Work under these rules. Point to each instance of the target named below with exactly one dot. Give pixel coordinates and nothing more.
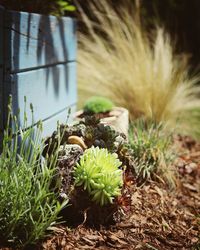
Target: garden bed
(141, 194)
(159, 219)
(113, 184)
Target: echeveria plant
(98, 172)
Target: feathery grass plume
(120, 60)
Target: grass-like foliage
(97, 104)
(99, 174)
(152, 151)
(29, 205)
(136, 70)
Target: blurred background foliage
(180, 18)
(130, 58)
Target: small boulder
(68, 156)
(73, 139)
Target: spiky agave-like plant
(143, 75)
(99, 174)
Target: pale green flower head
(98, 172)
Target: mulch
(160, 219)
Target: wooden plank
(50, 90)
(50, 125)
(35, 40)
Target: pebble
(77, 140)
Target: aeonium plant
(99, 174)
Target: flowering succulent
(98, 172)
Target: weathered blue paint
(49, 125)
(39, 40)
(37, 60)
(50, 90)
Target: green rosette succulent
(98, 172)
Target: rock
(69, 154)
(67, 158)
(119, 140)
(77, 129)
(77, 140)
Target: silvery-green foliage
(98, 172)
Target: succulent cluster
(98, 169)
(97, 104)
(99, 174)
(63, 132)
(102, 136)
(93, 133)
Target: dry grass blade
(120, 61)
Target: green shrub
(29, 205)
(151, 150)
(98, 172)
(97, 104)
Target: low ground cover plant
(29, 204)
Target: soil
(160, 219)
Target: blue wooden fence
(37, 60)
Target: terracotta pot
(118, 118)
